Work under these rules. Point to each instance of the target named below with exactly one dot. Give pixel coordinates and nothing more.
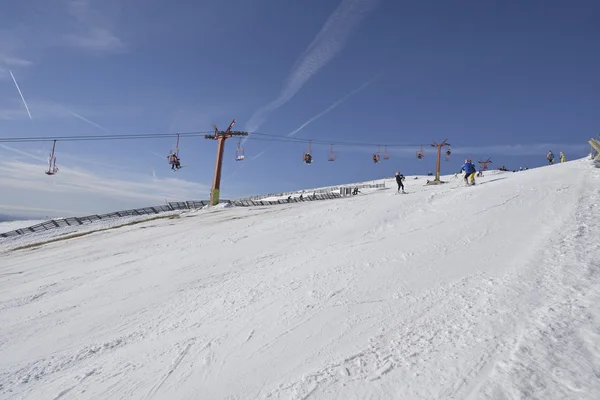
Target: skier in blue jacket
(470, 171)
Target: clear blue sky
(508, 80)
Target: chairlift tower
(484, 164)
(221, 137)
(439, 147)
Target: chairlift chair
(386, 154)
(448, 152)
(52, 168)
(174, 152)
(239, 152)
(376, 156)
(420, 153)
(331, 154)
(173, 156)
(307, 156)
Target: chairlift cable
(258, 136)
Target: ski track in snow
(483, 292)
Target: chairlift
(307, 156)
(386, 154)
(331, 154)
(420, 153)
(239, 152)
(173, 156)
(376, 156)
(52, 168)
(448, 152)
(175, 150)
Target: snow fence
(171, 206)
(343, 190)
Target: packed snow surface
(447, 292)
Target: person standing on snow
(470, 171)
(562, 157)
(550, 157)
(399, 179)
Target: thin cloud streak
(259, 154)
(21, 94)
(324, 112)
(157, 155)
(473, 151)
(92, 34)
(334, 105)
(328, 43)
(24, 209)
(521, 149)
(6, 62)
(83, 191)
(87, 120)
(23, 153)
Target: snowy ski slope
(448, 292)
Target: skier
(562, 157)
(174, 161)
(470, 171)
(399, 179)
(550, 157)
(307, 158)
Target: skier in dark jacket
(399, 179)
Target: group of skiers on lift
(174, 161)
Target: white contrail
(87, 120)
(21, 94)
(162, 157)
(24, 153)
(322, 113)
(332, 106)
(229, 176)
(326, 45)
(258, 155)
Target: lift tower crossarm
(484, 164)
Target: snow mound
(450, 292)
